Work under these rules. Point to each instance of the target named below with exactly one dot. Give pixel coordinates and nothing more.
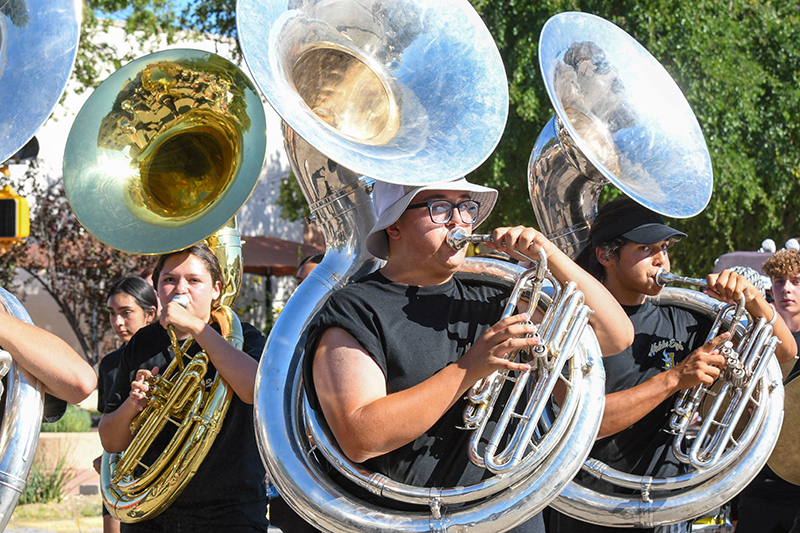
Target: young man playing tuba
(391, 355)
(629, 244)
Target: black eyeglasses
(441, 211)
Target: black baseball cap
(629, 219)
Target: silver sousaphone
(38, 45)
(409, 92)
(22, 404)
(621, 119)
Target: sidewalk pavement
(82, 448)
(92, 524)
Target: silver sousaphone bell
(408, 92)
(621, 119)
(38, 45)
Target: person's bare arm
(625, 408)
(235, 366)
(611, 325)
(64, 373)
(368, 422)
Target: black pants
(766, 515)
(282, 516)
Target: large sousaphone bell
(621, 119)
(163, 155)
(165, 151)
(408, 92)
(38, 45)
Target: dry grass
(73, 506)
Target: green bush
(46, 484)
(75, 420)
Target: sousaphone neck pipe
(663, 277)
(457, 238)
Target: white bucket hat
(390, 202)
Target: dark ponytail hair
(138, 289)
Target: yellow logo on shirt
(665, 350)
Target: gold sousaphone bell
(163, 155)
(165, 152)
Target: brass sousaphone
(409, 92)
(621, 119)
(164, 154)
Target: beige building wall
(43, 310)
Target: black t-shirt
(228, 492)
(412, 333)
(664, 336)
(106, 373)
(54, 408)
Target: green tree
(145, 21)
(736, 63)
(149, 24)
(71, 265)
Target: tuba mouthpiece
(458, 238)
(182, 300)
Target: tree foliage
(736, 63)
(144, 21)
(71, 265)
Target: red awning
(272, 256)
(262, 255)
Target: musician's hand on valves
(488, 352)
(729, 287)
(140, 388)
(519, 242)
(703, 365)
